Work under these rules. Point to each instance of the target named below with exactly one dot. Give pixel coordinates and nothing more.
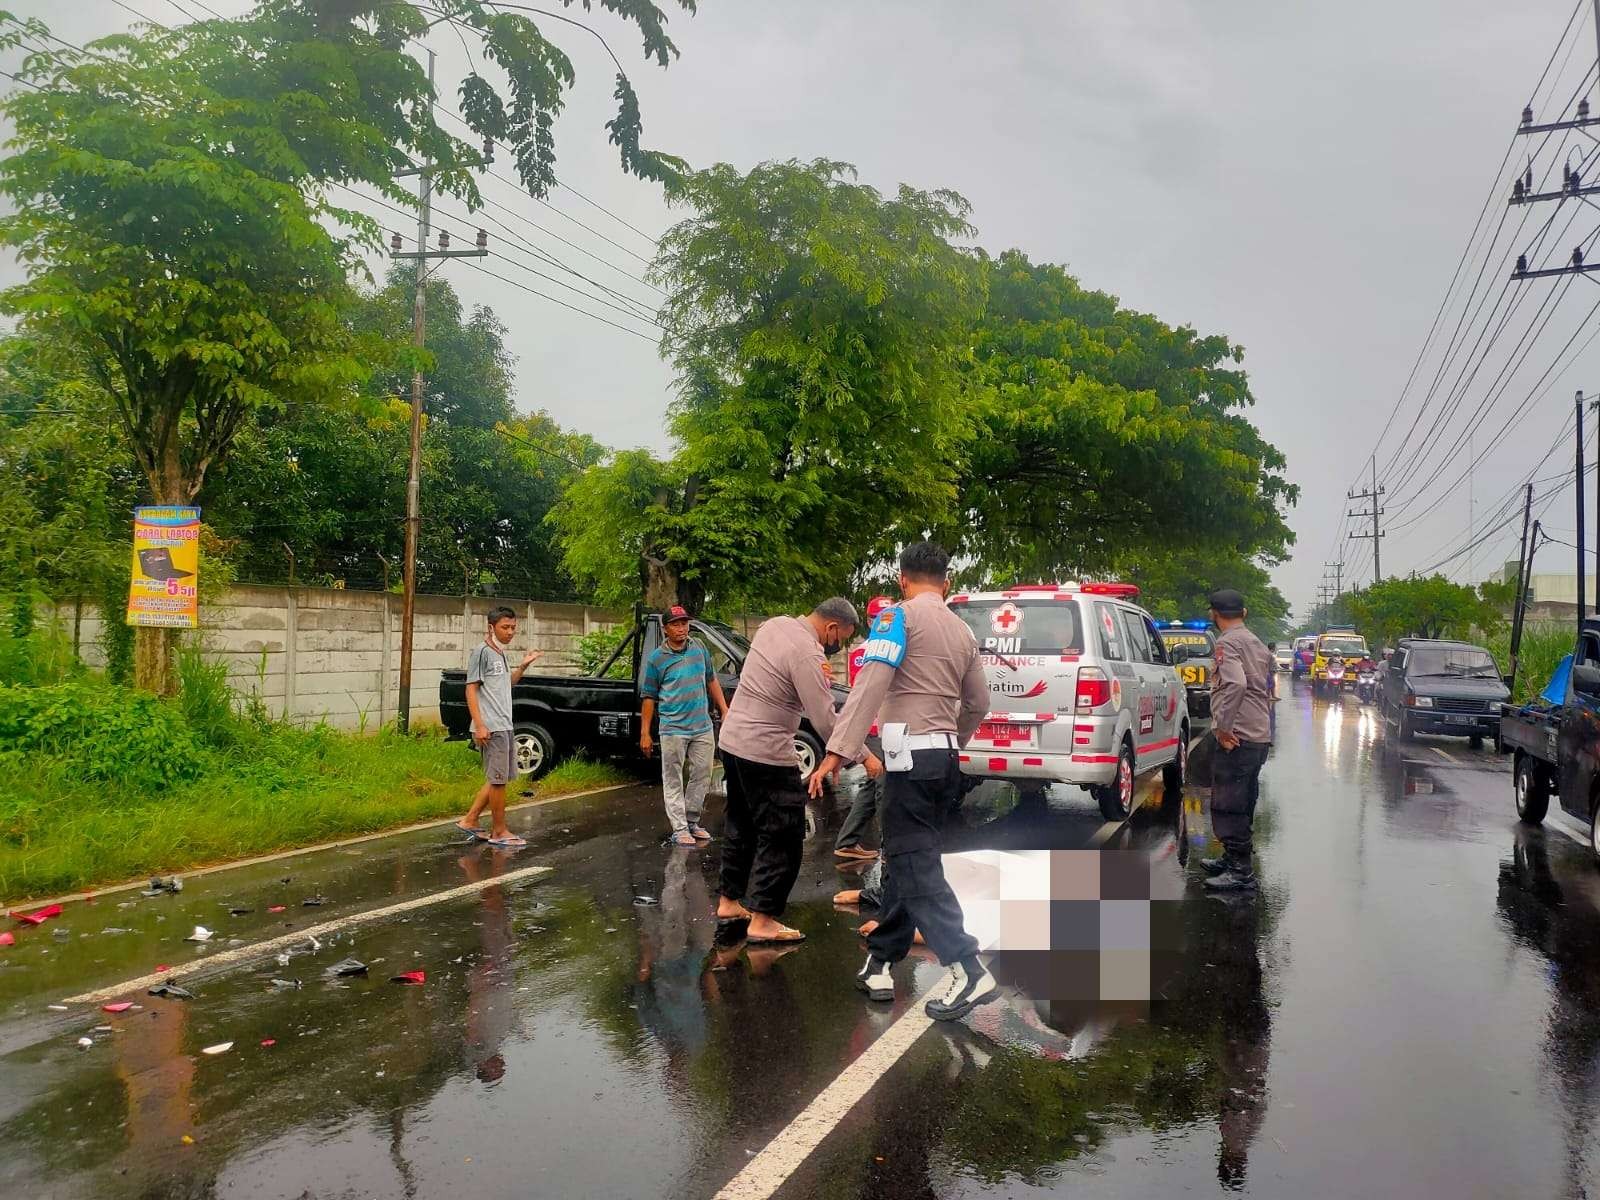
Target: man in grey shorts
(489, 679)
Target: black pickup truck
(1557, 746)
(556, 715)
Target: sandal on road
(510, 842)
(472, 831)
(782, 937)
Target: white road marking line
(212, 963)
(782, 1156)
(278, 856)
(1106, 832)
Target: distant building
(1551, 596)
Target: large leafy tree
(1104, 437)
(323, 485)
(174, 209)
(818, 331)
(1430, 606)
(1176, 581)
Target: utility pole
(1338, 576)
(1372, 494)
(1523, 570)
(408, 603)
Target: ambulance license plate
(1005, 731)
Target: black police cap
(1226, 602)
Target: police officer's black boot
(1215, 866)
(1238, 876)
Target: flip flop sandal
(777, 939)
(508, 843)
(471, 831)
(855, 852)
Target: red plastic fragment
(269, 1041)
(277, 908)
(120, 1006)
(160, 967)
(40, 916)
(414, 977)
(8, 938)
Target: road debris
(200, 934)
(219, 1048)
(8, 938)
(121, 1006)
(286, 983)
(239, 912)
(159, 885)
(171, 991)
(412, 977)
(39, 916)
(346, 967)
(316, 901)
(269, 1041)
(276, 908)
(85, 1042)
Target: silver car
(1081, 689)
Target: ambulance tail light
(1129, 590)
(1094, 688)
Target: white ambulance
(1081, 689)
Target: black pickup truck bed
(555, 715)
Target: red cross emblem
(1005, 618)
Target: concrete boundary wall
(330, 654)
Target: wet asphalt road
(1410, 1007)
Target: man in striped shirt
(680, 685)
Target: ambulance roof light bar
(1128, 590)
(1187, 624)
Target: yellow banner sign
(166, 567)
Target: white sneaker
(961, 994)
(874, 979)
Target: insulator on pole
(444, 239)
(1527, 114)
(395, 242)
(1516, 189)
(1577, 256)
(483, 239)
(1522, 264)
(1583, 109)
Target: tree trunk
(660, 583)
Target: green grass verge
(276, 789)
(1543, 646)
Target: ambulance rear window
(1023, 626)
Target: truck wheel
(1176, 772)
(1116, 798)
(1594, 834)
(807, 752)
(1531, 787)
(533, 750)
(1407, 733)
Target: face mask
(505, 642)
(833, 647)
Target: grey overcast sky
(1301, 177)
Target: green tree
(818, 330)
(1430, 607)
(327, 482)
(1175, 584)
(173, 212)
(1103, 437)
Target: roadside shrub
(595, 647)
(205, 698)
(1543, 646)
(101, 732)
(33, 650)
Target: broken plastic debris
(283, 959)
(8, 938)
(269, 1041)
(120, 1006)
(314, 901)
(611, 928)
(159, 885)
(644, 900)
(160, 967)
(286, 983)
(416, 977)
(57, 1007)
(348, 966)
(84, 1043)
(239, 912)
(275, 908)
(40, 916)
(171, 991)
(113, 929)
(219, 1048)
(315, 945)
(200, 934)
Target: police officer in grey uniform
(921, 681)
(1241, 721)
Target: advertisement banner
(166, 567)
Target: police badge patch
(888, 641)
